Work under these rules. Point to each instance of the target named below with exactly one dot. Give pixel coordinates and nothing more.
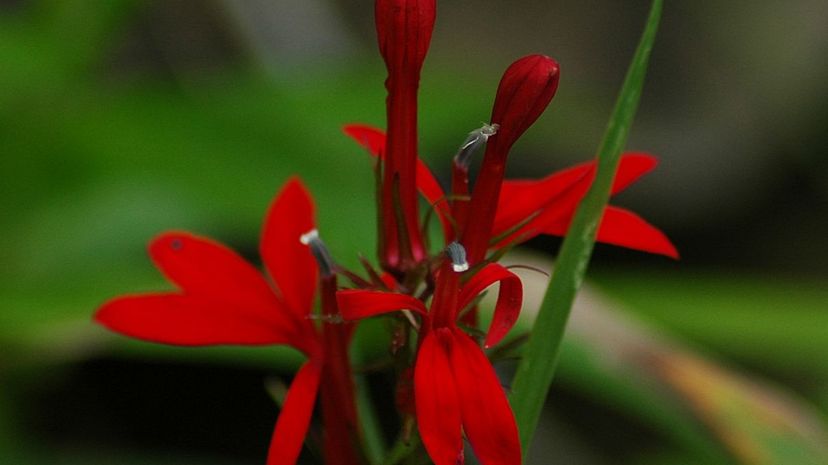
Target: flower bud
(525, 90)
(404, 32)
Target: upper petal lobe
(289, 262)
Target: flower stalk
(404, 30)
(525, 90)
(341, 432)
(537, 367)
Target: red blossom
(455, 387)
(222, 299)
(374, 139)
(404, 30)
(525, 90)
(527, 208)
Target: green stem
(374, 445)
(402, 449)
(537, 368)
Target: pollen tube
(320, 252)
(460, 171)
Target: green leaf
(535, 372)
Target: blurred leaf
(536, 370)
(586, 370)
(10, 442)
(698, 404)
(776, 323)
(759, 425)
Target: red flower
(222, 299)
(455, 386)
(404, 32)
(527, 208)
(524, 92)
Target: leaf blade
(536, 371)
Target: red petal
(373, 140)
(290, 262)
(509, 298)
(208, 270)
(433, 193)
(554, 198)
(632, 166)
(188, 320)
(204, 267)
(437, 401)
(389, 281)
(487, 417)
(356, 304)
(294, 419)
(519, 199)
(625, 229)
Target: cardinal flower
(530, 207)
(497, 212)
(222, 299)
(456, 390)
(404, 30)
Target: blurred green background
(120, 119)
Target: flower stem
(402, 449)
(537, 368)
(367, 412)
(342, 436)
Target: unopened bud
(525, 90)
(404, 31)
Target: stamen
(457, 254)
(473, 142)
(320, 252)
(306, 238)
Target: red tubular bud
(341, 427)
(404, 30)
(525, 90)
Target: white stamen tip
(457, 254)
(309, 236)
(488, 130)
(474, 141)
(460, 267)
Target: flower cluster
(430, 296)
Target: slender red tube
(341, 432)
(404, 30)
(525, 90)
